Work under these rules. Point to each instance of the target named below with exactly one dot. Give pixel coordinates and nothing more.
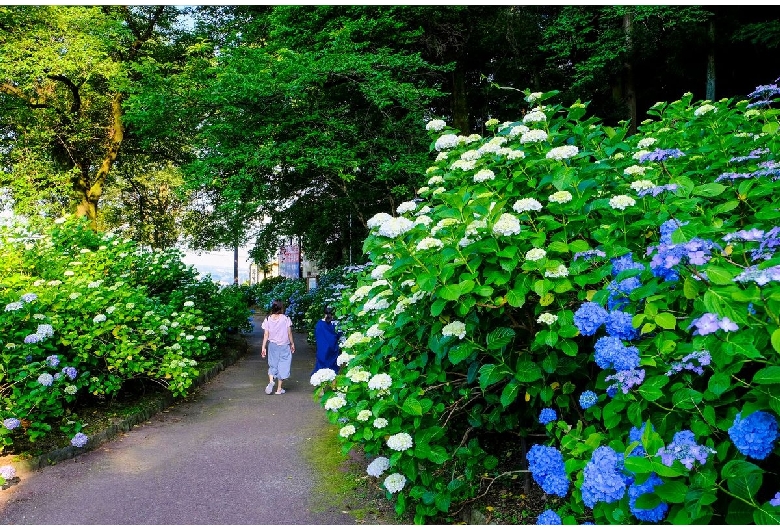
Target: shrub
(562, 258)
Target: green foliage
(84, 313)
(469, 320)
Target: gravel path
(231, 456)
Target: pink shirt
(277, 328)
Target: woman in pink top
(279, 340)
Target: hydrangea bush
(617, 295)
(82, 313)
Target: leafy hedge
(616, 294)
(85, 313)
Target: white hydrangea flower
(464, 165)
(378, 466)
(491, 122)
(95, 284)
(533, 97)
(439, 190)
(189, 303)
(347, 431)
(455, 328)
(395, 226)
(335, 402)
(641, 185)
(560, 197)
(507, 225)
(471, 138)
(534, 135)
(547, 318)
(377, 303)
(534, 116)
(429, 243)
(621, 202)
(379, 271)
(474, 226)
(442, 156)
(639, 154)
(378, 220)
(354, 339)
(343, 359)
(535, 254)
(68, 273)
(704, 109)
(644, 143)
(518, 130)
(71, 389)
(527, 205)
(360, 293)
(380, 423)
(563, 152)
(364, 415)
(634, 170)
(435, 125)
(99, 318)
(356, 374)
(464, 242)
(559, 272)
(374, 331)
(423, 219)
(73, 296)
(470, 156)
(433, 181)
(446, 141)
(395, 482)
(380, 382)
(321, 376)
(400, 442)
(515, 154)
(484, 175)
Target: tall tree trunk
(235, 264)
(628, 68)
(460, 109)
(710, 92)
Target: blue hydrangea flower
(659, 155)
(755, 435)
(549, 517)
(619, 325)
(624, 263)
(80, 440)
(685, 449)
(650, 515)
(702, 357)
(625, 380)
(53, 360)
(588, 399)
(603, 480)
(70, 372)
(612, 353)
(635, 435)
(547, 415)
(619, 291)
(547, 469)
(589, 318)
(775, 500)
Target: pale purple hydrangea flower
(80, 440)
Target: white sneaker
(269, 387)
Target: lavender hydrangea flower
(45, 379)
(603, 480)
(588, 399)
(70, 372)
(11, 423)
(547, 415)
(660, 155)
(9, 472)
(625, 380)
(53, 361)
(775, 501)
(685, 449)
(755, 435)
(625, 263)
(710, 323)
(650, 515)
(548, 470)
(80, 440)
(655, 191)
(549, 517)
(589, 318)
(702, 357)
(589, 254)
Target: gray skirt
(279, 360)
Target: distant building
(290, 263)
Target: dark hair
(277, 307)
(328, 311)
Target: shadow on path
(231, 455)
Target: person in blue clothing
(327, 340)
